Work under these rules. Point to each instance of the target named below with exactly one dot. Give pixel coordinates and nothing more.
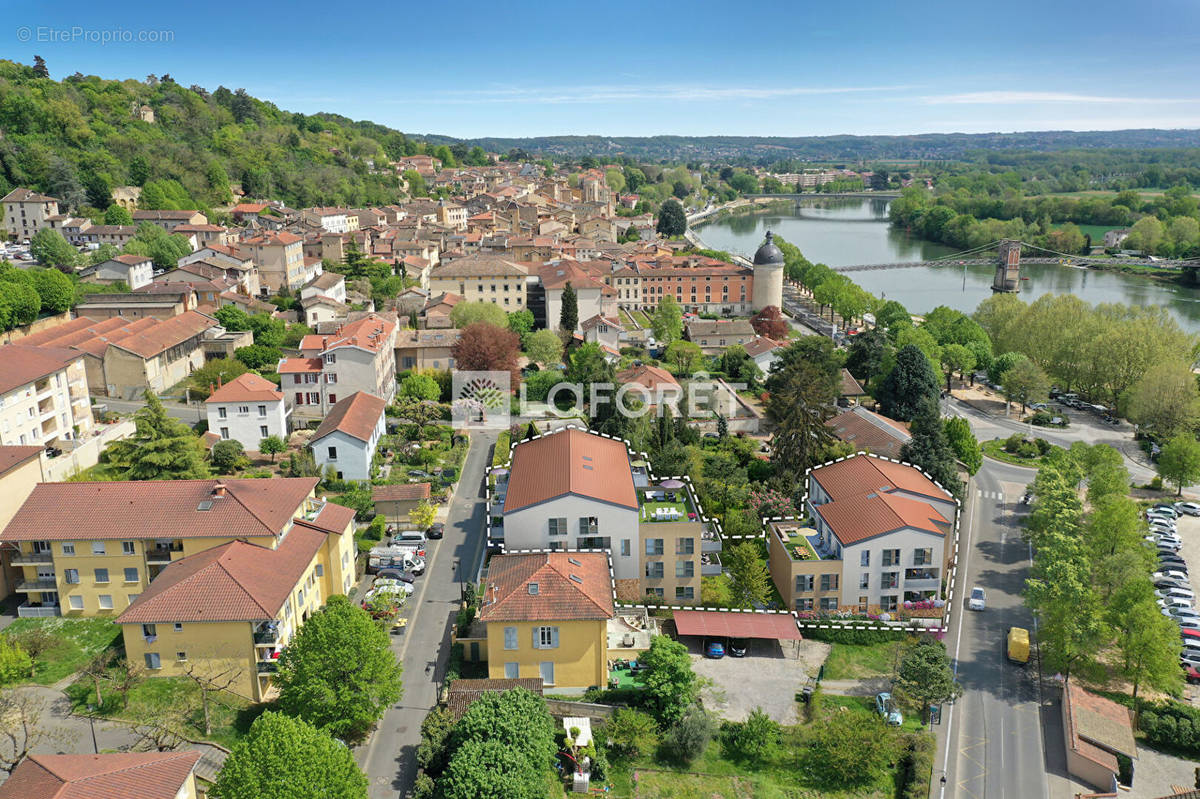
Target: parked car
(410, 538)
(887, 709)
(737, 647)
(1172, 582)
(1176, 596)
(390, 587)
(1190, 508)
(1169, 574)
(395, 574)
(1164, 508)
(436, 530)
(978, 600)
(1188, 624)
(1188, 659)
(1191, 675)
(1183, 614)
(714, 650)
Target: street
(389, 757)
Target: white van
(409, 538)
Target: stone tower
(768, 275)
(1008, 268)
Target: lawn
(69, 644)
(1095, 231)
(649, 509)
(995, 449)
(866, 704)
(859, 661)
(158, 697)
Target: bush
(1013, 443)
(629, 695)
(849, 636)
(687, 740)
(1156, 483)
(15, 662)
(433, 753)
(751, 741)
(1043, 446)
(1171, 725)
(375, 529)
(228, 456)
(631, 733)
(1027, 449)
(916, 767)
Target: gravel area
(769, 677)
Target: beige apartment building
(359, 356)
(482, 278)
(280, 259)
(43, 395)
(26, 212)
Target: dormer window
(533, 589)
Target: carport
(751, 625)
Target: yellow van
(1018, 644)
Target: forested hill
(765, 150)
(76, 138)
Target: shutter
(554, 638)
(535, 638)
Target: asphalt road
(187, 413)
(389, 757)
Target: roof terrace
(800, 542)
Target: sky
(517, 68)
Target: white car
(1190, 508)
(977, 600)
(1169, 574)
(388, 586)
(1182, 613)
(1175, 603)
(1175, 593)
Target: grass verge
(66, 644)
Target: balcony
(163, 553)
(267, 668)
(28, 611)
(710, 565)
(710, 541)
(266, 637)
(28, 586)
(33, 559)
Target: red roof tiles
(862, 474)
(571, 461)
(356, 416)
(20, 365)
(548, 586)
(12, 457)
(128, 775)
(247, 387)
(400, 492)
(860, 518)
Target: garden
(45, 651)
(1018, 449)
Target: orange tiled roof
(357, 416)
(861, 518)
(862, 474)
(400, 492)
(128, 775)
(571, 461)
(247, 387)
(569, 585)
(166, 334)
(20, 365)
(13, 456)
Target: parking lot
(769, 677)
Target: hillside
(77, 138)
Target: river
(841, 232)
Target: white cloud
(1018, 97)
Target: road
(187, 413)
(389, 757)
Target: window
(333, 399)
(685, 568)
(864, 581)
(330, 379)
(262, 410)
(71, 576)
(320, 570)
(102, 575)
(299, 396)
(222, 412)
(889, 580)
(178, 626)
(558, 526)
(624, 547)
(243, 409)
(923, 557)
(829, 603)
(888, 603)
(891, 557)
(333, 453)
(545, 638)
(864, 558)
(920, 574)
(263, 431)
(330, 357)
(131, 575)
(829, 582)
(97, 547)
(685, 592)
(128, 548)
(656, 593)
(685, 546)
(804, 583)
(68, 547)
(589, 525)
(224, 433)
(512, 671)
(76, 602)
(106, 602)
(804, 604)
(314, 398)
(654, 570)
(153, 661)
(654, 546)
(149, 631)
(181, 656)
(510, 637)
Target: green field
(66, 644)
(1095, 231)
(859, 661)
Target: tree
(666, 323)
(259, 356)
(15, 663)
(339, 671)
(484, 347)
(929, 450)
(521, 322)
(272, 445)
(688, 738)
(518, 717)
(23, 727)
(164, 248)
(232, 317)
(544, 348)
(1147, 640)
(631, 733)
(910, 383)
(1179, 461)
(422, 515)
(214, 373)
(925, 676)
(685, 355)
(1025, 382)
(268, 331)
(1165, 400)
(420, 386)
(211, 675)
(435, 739)
(770, 322)
(754, 740)
(39, 67)
(286, 758)
(116, 215)
(963, 442)
(55, 290)
(488, 769)
(49, 248)
(568, 319)
(161, 448)
(672, 221)
(668, 680)
(749, 582)
(802, 387)
(465, 314)
(956, 358)
(846, 750)
(228, 456)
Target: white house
(573, 490)
(889, 525)
(763, 351)
(247, 409)
(134, 270)
(346, 440)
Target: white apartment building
(43, 396)
(247, 409)
(359, 356)
(26, 212)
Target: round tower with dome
(768, 275)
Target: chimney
(218, 490)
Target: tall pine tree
(910, 383)
(162, 448)
(569, 318)
(929, 448)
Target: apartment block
(358, 356)
(43, 396)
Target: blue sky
(643, 68)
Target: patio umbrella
(639, 464)
(671, 484)
(499, 470)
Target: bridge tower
(768, 275)
(1008, 268)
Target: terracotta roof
(301, 365)
(23, 195)
(719, 327)
(478, 265)
(128, 775)
(760, 345)
(12, 457)
(428, 337)
(558, 275)
(332, 518)
(868, 430)
(548, 586)
(400, 491)
(369, 333)
(158, 509)
(357, 416)
(862, 474)
(131, 260)
(862, 517)
(849, 386)
(723, 624)
(649, 376)
(247, 387)
(237, 581)
(273, 238)
(325, 280)
(1098, 726)
(166, 334)
(21, 365)
(462, 693)
(571, 461)
(248, 208)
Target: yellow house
(547, 616)
(129, 775)
(91, 549)
(20, 472)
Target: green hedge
(1171, 725)
(848, 636)
(916, 767)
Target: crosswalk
(996, 495)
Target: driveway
(764, 678)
